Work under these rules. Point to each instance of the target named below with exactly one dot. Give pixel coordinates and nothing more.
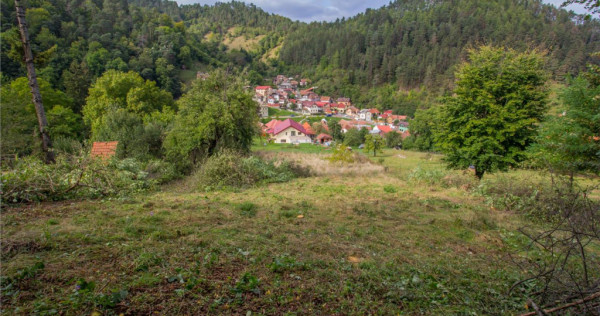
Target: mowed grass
(367, 244)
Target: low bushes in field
(79, 176)
(232, 169)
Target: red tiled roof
(263, 88)
(384, 128)
(324, 136)
(388, 112)
(272, 124)
(374, 111)
(104, 149)
(398, 117)
(308, 129)
(322, 104)
(325, 99)
(288, 123)
(405, 134)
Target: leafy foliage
(126, 108)
(30, 180)
(214, 115)
(393, 139)
(19, 121)
(500, 97)
(341, 154)
(228, 169)
(355, 137)
(571, 142)
(422, 129)
(374, 144)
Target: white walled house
(290, 132)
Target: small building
(365, 114)
(264, 111)
(392, 118)
(351, 110)
(309, 130)
(324, 138)
(263, 91)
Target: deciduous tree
(499, 100)
(215, 114)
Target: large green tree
(570, 142)
(18, 117)
(499, 100)
(119, 90)
(215, 114)
(126, 108)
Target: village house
(264, 111)
(290, 131)
(351, 110)
(365, 114)
(390, 119)
(381, 130)
(309, 130)
(324, 138)
(344, 101)
(263, 91)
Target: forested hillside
(415, 42)
(400, 56)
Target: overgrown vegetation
(79, 176)
(231, 169)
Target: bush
(72, 176)
(341, 154)
(511, 193)
(161, 171)
(428, 176)
(232, 169)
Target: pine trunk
(33, 84)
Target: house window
(285, 133)
(283, 140)
(293, 133)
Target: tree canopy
(215, 114)
(499, 100)
(570, 142)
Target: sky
(328, 10)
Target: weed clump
(232, 169)
(247, 209)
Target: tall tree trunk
(33, 84)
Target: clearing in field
(397, 234)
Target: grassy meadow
(398, 235)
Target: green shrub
(341, 154)
(515, 194)
(161, 171)
(72, 176)
(389, 189)
(247, 209)
(428, 176)
(232, 169)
